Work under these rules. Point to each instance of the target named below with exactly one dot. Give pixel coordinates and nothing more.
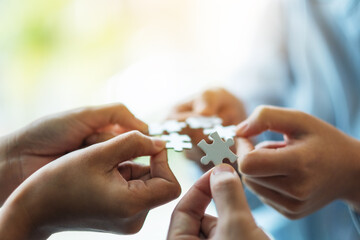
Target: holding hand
(49, 138)
(235, 221)
(314, 165)
(96, 188)
(213, 102)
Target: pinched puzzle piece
(169, 126)
(177, 142)
(218, 150)
(224, 132)
(203, 122)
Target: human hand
(314, 165)
(96, 188)
(49, 138)
(213, 102)
(235, 221)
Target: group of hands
(74, 171)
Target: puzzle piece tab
(218, 150)
(224, 132)
(169, 126)
(177, 142)
(203, 122)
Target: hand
(313, 166)
(49, 138)
(95, 188)
(212, 102)
(235, 221)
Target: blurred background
(61, 54)
(149, 54)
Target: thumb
(228, 193)
(128, 146)
(282, 120)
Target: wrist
(353, 196)
(16, 223)
(10, 176)
(25, 213)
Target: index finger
(102, 116)
(266, 162)
(163, 186)
(188, 214)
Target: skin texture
(96, 188)
(30, 148)
(314, 165)
(189, 221)
(212, 102)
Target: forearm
(20, 216)
(353, 197)
(9, 169)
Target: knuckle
(295, 208)
(262, 111)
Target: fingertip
(158, 143)
(222, 173)
(222, 168)
(241, 128)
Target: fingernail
(241, 127)
(223, 168)
(159, 142)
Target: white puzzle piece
(169, 126)
(218, 150)
(224, 132)
(177, 142)
(203, 122)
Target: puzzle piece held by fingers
(177, 142)
(203, 122)
(224, 132)
(218, 150)
(169, 126)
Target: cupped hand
(46, 139)
(314, 165)
(235, 221)
(212, 102)
(96, 188)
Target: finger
(208, 226)
(189, 212)
(98, 138)
(265, 162)
(99, 117)
(130, 170)
(184, 107)
(163, 185)
(207, 104)
(127, 146)
(284, 204)
(281, 184)
(243, 146)
(228, 194)
(277, 119)
(271, 144)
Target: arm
(97, 188)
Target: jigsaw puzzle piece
(203, 122)
(168, 126)
(177, 142)
(217, 151)
(227, 132)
